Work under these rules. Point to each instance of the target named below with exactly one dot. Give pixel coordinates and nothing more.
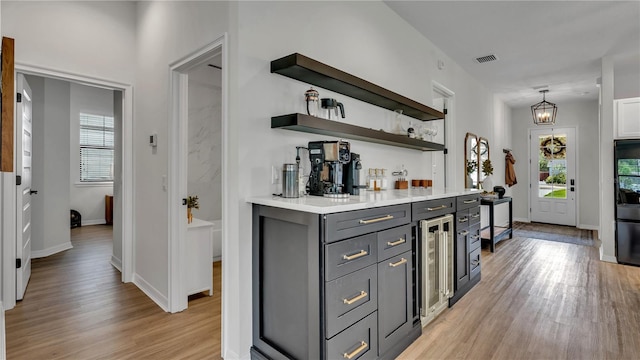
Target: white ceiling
(558, 44)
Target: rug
(559, 233)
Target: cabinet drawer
(474, 263)
(353, 223)
(433, 208)
(393, 242)
(474, 215)
(350, 298)
(347, 256)
(474, 237)
(359, 341)
(462, 220)
(467, 201)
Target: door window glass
(552, 166)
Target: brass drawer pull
(470, 201)
(464, 219)
(363, 294)
(388, 217)
(475, 236)
(475, 215)
(402, 261)
(356, 255)
(464, 233)
(397, 242)
(475, 262)
(437, 208)
(361, 348)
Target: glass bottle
(378, 180)
(383, 179)
(371, 180)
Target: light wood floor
(76, 307)
(540, 300)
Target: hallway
(76, 307)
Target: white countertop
(367, 199)
(196, 223)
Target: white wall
(86, 198)
(50, 219)
(91, 38)
(205, 142)
(166, 33)
(583, 115)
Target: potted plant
(192, 203)
(487, 170)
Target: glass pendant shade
(544, 112)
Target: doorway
(553, 176)
(123, 207)
(443, 132)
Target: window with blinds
(96, 148)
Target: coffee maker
(328, 159)
(351, 174)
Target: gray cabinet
(333, 286)
(467, 245)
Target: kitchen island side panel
(286, 285)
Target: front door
(23, 198)
(553, 181)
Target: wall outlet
(275, 174)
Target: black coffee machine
(352, 175)
(328, 159)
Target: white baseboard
(232, 355)
(52, 250)
(93, 222)
(524, 220)
(116, 263)
(3, 339)
(588, 227)
(151, 292)
(216, 258)
(607, 258)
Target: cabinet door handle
(356, 255)
(475, 262)
(402, 261)
(475, 215)
(363, 294)
(437, 208)
(388, 217)
(397, 242)
(464, 233)
(361, 348)
(464, 219)
(470, 201)
(475, 236)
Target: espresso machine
(328, 159)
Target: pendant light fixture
(544, 112)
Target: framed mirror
(471, 161)
(483, 154)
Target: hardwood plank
(540, 300)
(76, 307)
(8, 92)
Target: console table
(493, 233)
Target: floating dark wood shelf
(305, 69)
(314, 125)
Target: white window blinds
(96, 148)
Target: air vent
(487, 58)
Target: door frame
(576, 129)
(449, 129)
(178, 155)
(128, 177)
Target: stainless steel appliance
(627, 179)
(290, 181)
(437, 266)
(327, 167)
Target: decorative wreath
(553, 148)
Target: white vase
(487, 184)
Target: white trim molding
(151, 292)
(607, 258)
(116, 263)
(93, 222)
(588, 227)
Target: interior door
(23, 198)
(553, 181)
